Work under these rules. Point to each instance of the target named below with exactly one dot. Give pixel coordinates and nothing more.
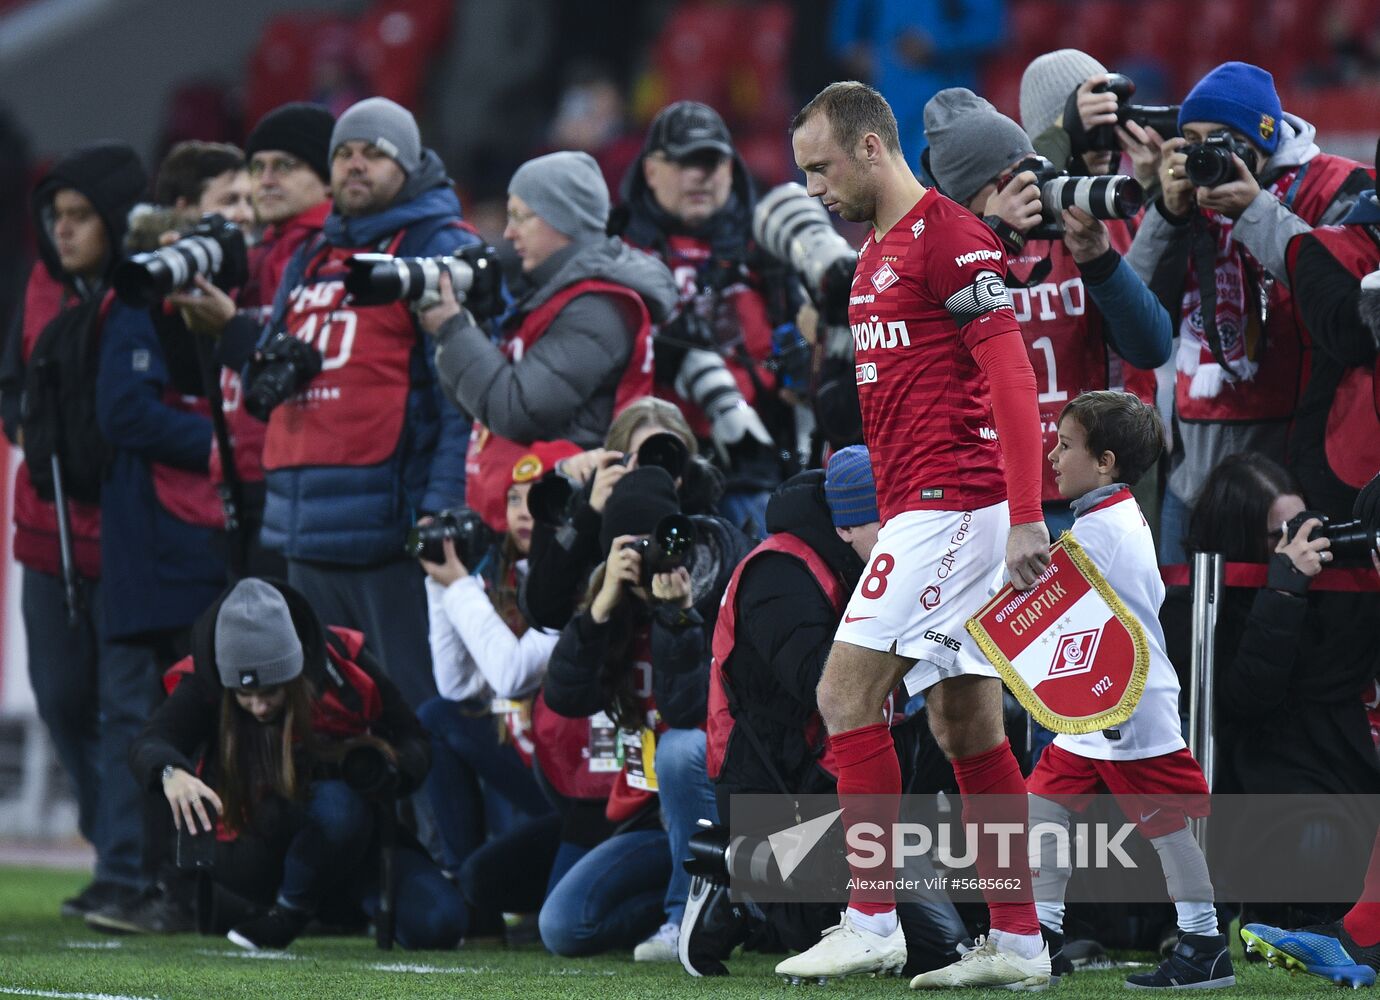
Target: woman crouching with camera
(488, 666)
(274, 749)
(639, 653)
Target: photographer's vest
(722, 701)
(188, 495)
(352, 413)
(35, 519)
(1352, 437)
(267, 264)
(1273, 394)
(569, 753)
(1064, 332)
(348, 702)
(490, 459)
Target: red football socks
(868, 767)
(993, 791)
(1362, 921)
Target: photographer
(289, 186)
(688, 199)
(163, 518)
(488, 665)
(92, 693)
(369, 442)
(563, 554)
(577, 348)
(272, 742)
(1334, 443)
(1212, 248)
(1081, 308)
(639, 652)
(1066, 109)
(765, 735)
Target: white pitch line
(428, 969)
(19, 992)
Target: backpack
(59, 405)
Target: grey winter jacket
(563, 387)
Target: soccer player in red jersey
(950, 417)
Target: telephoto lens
(795, 228)
(1113, 197)
(214, 249)
(376, 279)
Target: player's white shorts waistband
(929, 572)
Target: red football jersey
(924, 295)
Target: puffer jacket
(565, 385)
(359, 515)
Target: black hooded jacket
(111, 177)
(785, 629)
(183, 729)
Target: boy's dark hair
(853, 109)
(1120, 423)
(190, 166)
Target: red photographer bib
(352, 412)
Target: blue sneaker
(1324, 950)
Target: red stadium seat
(395, 42)
(282, 65)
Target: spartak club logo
(884, 278)
(1074, 653)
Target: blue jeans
(477, 786)
(330, 856)
(1174, 517)
(94, 697)
(686, 797)
(613, 897)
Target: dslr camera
(1352, 541)
(376, 279)
(1209, 163)
(553, 498)
(1110, 197)
(278, 371)
(666, 548)
(472, 537)
(214, 249)
(795, 228)
(1163, 118)
(366, 769)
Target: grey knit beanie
(567, 190)
(256, 643)
(1047, 83)
(387, 125)
(971, 142)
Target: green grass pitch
(42, 955)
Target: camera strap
(231, 489)
(739, 719)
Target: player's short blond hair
(853, 110)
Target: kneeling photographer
(488, 665)
(1244, 180)
(576, 348)
(765, 734)
(1081, 307)
(568, 503)
(269, 750)
(639, 653)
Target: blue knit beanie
(1240, 95)
(848, 488)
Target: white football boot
(985, 966)
(845, 950)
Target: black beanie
(641, 499)
(304, 130)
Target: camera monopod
(50, 377)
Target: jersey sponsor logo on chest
(876, 333)
(884, 277)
